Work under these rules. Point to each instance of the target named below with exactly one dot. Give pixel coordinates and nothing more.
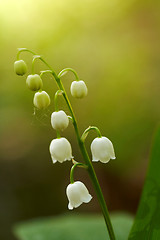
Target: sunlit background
(114, 47)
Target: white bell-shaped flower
(20, 67)
(77, 194)
(41, 100)
(78, 89)
(102, 150)
(60, 150)
(59, 120)
(34, 82)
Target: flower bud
(34, 82)
(77, 194)
(20, 67)
(41, 100)
(78, 89)
(60, 150)
(102, 150)
(59, 120)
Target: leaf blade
(74, 227)
(147, 221)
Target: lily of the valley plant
(60, 148)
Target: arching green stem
(70, 118)
(65, 70)
(58, 93)
(44, 72)
(84, 152)
(33, 62)
(23, 50)
(89, 164)
(85, 134)
(73, 168)
(20, 50)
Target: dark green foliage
(147, 221)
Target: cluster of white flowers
(60, 148)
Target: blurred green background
(114, 47)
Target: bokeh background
(114, 47)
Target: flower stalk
(58, 93)
(64, 71)
(85, 134)
(80, 140)
(77, 164)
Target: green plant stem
(58, 93)
(58, 134)
(87, 160)
(90, 128)
(33, 62)
(89, 164)
(73, 168)
(68, 70)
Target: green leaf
(147, 221)
(74, 227)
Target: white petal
(77, 193)
(105, 160)
(60, 150)
(73, 195)
(87, 198)
(53, 160)
(95, 160)
(59, 120)
(102, 149)
(78, 89)
(110, 148)
(70, 206)
(84, 194)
